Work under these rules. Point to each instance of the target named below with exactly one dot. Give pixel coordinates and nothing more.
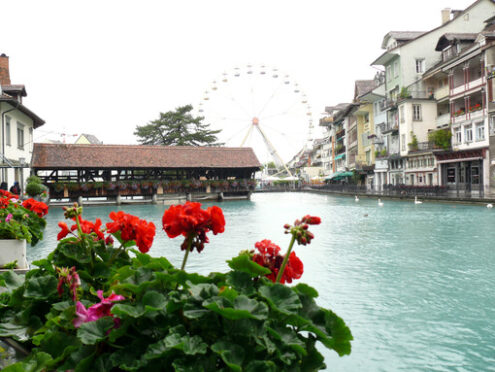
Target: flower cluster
(87, 227)
(132, 228)
(70, 278)
(96, 311)
(40, 208)
(192, 222)
(300, 229)
(21, 221)
(269, 256)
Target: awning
(340, 156)
(339, 175)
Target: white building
(17, 124)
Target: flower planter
(11, 250)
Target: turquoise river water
(415, 283)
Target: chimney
(4, 70)
(445, 15)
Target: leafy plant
(10, 265)
(413, 145)
(441, 138)
(21, 221)
(90, 306)
(404, 93)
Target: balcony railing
(424, 146)
(340, 134)
(390, 128)
(443, 120)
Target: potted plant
(19, 223)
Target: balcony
(340, 134)
(443, 120)
(377, 141)
(424, 147)
(390, 128)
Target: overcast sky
(103, 67)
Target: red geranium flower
(64, 232)
(7, 194)
(35, 206)
(132, 228)
(4, 203)
(192, 222)
(270, 258)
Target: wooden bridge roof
(65, 156)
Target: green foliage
(413, 145)
(35, 189)
(169, 320)
(404, 93)
(441, 138)
(23, 224)
(10, 265)
(177, 128)
(33, 179)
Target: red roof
(63, 156)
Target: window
(420, 65)
(396, 68)
(458, 135)
(480, 131)
(430, 179)
(31, 140)
(389, 72)
(475, 175)
(403, 140)
(401, 114)
(7, 131)
(20, 136)
(492, 125)
(468, 133)
(451, 175)
(366, 118)
(416, 112)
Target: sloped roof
(363, 87)
(91, 139)
(37, 121)
(55, 156)
(401, 36)
(447, 39)
(15, 88)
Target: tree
(177, 128)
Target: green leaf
(281, 298)
(123, 310)
(36, 362)
(203, 290)
(11, 280)
(288, 337)
(16, 331)
(261, 365)
(341, 334)
(305, 289)
(154, 300)
(74, 251)
(41, 288)
(92, 332)
(241, 281)
(187, 344)
(231, 353)
(245, 264)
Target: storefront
(463, 171)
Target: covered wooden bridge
(109, 170)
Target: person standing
(15, 188)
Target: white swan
(416, 201)
(356, 199)
(489, 205)
(380, 203)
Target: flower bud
(287, 226)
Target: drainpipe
(3, 133)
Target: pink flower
(9, 217)
(96, 311)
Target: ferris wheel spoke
(282, 133)
(270, 98)
(285, 112)
(238, 132)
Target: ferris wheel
(261, 107)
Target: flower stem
(188, 248)
(286, 258)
